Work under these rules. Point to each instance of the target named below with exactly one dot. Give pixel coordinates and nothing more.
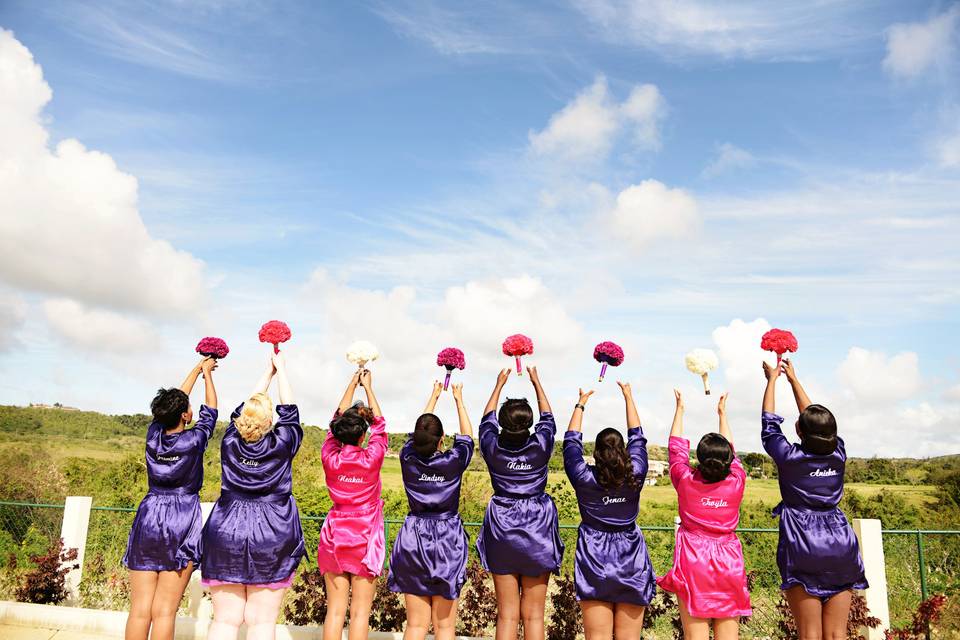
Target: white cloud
(729, 157)
(754, 29)
(915, 47)
(70, 220)
(650, 210)
(585, 129)
(873, 377)
(948, 150)
(98, 330)
(13, 312)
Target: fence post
(200, 608)
(869, 533)
(76, 524)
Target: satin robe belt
(517, 496)
(356, 511)
(777, 510)
(610, 528)
(232, 496)
(434, 515)
(172, 491)
(719, 536)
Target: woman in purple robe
(612, 574)
(519, 542)
(164, 544)
(252, 542)
(818, 554)
(429, 559)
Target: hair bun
(366, 413)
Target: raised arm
(434, 396)
(347, 398)
(770, 394)
(366, 381)
(264, 383)
(676, 430)
(542, 403)
(494, 400)
(210, 391)
(803, 400)
(633, 418)
(722, 413)
(283, 383)
(466, 429)
(576, 419)
(191, 378)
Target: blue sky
(425, 174)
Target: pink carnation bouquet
(779, 341)
(609, 354)
(451, 358)
(518, 345)
(274, 332)
(211, 347)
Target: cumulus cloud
(70, 220)
(99, 330)
(651, 210)
(13, 312)
(729, 157)
(873, 377)
(916, 47)
(585, 128)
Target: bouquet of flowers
(518, 345)
(779, 341)
(702, 362)
(274, 332)
(211, 347)
(607, 353)
(361, 352)
(451, 358)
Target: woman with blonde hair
(253, 541)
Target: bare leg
(260, 614)
(418, 616)
(338, 596)
(836, 612)
(229, 601)
(362, 590)
(533, 602)
(444, 618)
(143, 584)
(597, 619)
(807, 613)
(628, 621)
(727, 629)
(166, 601)
(693, 628)
(507, 588)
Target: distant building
(657, 468)
(55, 405)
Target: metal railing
(919, 562)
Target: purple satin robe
(612, 562)
(429, 556)
(817, 549)
(166, 530)
(521, 532)
(253, 535)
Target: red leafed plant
(929, 611)
(451, 358)
(518, 345)
(274, 332)
(213, 347)
(47, 582)
(779, 341)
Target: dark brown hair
(515, 418)
(818, 430)
(613, 467)
(715, 456)
(350, 426)
(427, 433)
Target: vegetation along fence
(917, 564)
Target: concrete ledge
(110, 624)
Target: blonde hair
(256, 419)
